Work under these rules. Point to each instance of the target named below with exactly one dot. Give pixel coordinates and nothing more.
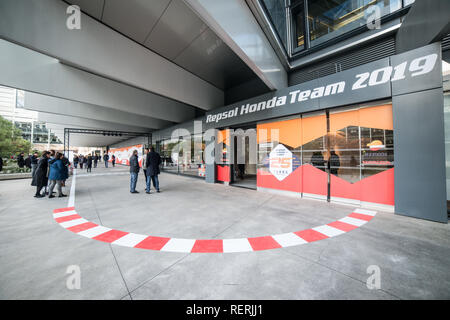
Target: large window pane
(330, 18)
(277, 13)
(298, 16)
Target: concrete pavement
(35, 252)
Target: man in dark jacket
(152, 163)
(28, 162)
(20, 161)
(106, 158)
(134, 170)
(1, 163)
(40, 179)
(89, 164)
(95, 161)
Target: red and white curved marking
(70, 220)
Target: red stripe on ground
(63, 209)
(342, 226)
(310, 235)
(208, 246)
(263, 243)
(152, 243)
(360, 216)
(110, 236)
(82, 227)
(68, 218)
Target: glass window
(298, 16)
(330, 18)
(277, 13)
(408, 2)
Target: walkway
(413, 255)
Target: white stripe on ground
(73, 223)
(71, 201)
(130, 240)
(64, 214)
(93, 232)
(236, 245)
(353, 221)
(328, 231)
(179, 245)
(288, 239)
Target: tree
(11, 141)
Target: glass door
(345, 156)
(314, 156)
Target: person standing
(34, 163)
(28, 162)
(106, 159)
(66, 164)
(40, 179)
(144, 165)
(1, 163)
(56, 176)
(75, 161)
(89, 164)
(20, 161)
(95, 161)
(152, 162)
(81, 159)
(113, 160)
(134, 171)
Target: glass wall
(345, 155)
(40, 133)
(298, 19)
(330, 18)
(276, 10)
(313, 22)
(183, 155)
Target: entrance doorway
(244, 159)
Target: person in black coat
(95, 161)
(89, 164)
(152, 163)
(28, 162)
(134, 171)
(40, 178)
(34, 163)
(1, 164)
(20, 161)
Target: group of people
(88, 161)
(52, 170)
(150, 165)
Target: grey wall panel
(134, 18)
(39, 102)
(426, 22)
(420, 184)
(431, 80)
(102, 51)
(234, 23)
(178, 22)
(31, 71)
(91, 7)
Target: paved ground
(35, 252)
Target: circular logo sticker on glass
(280, 162)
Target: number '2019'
(419, 66)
